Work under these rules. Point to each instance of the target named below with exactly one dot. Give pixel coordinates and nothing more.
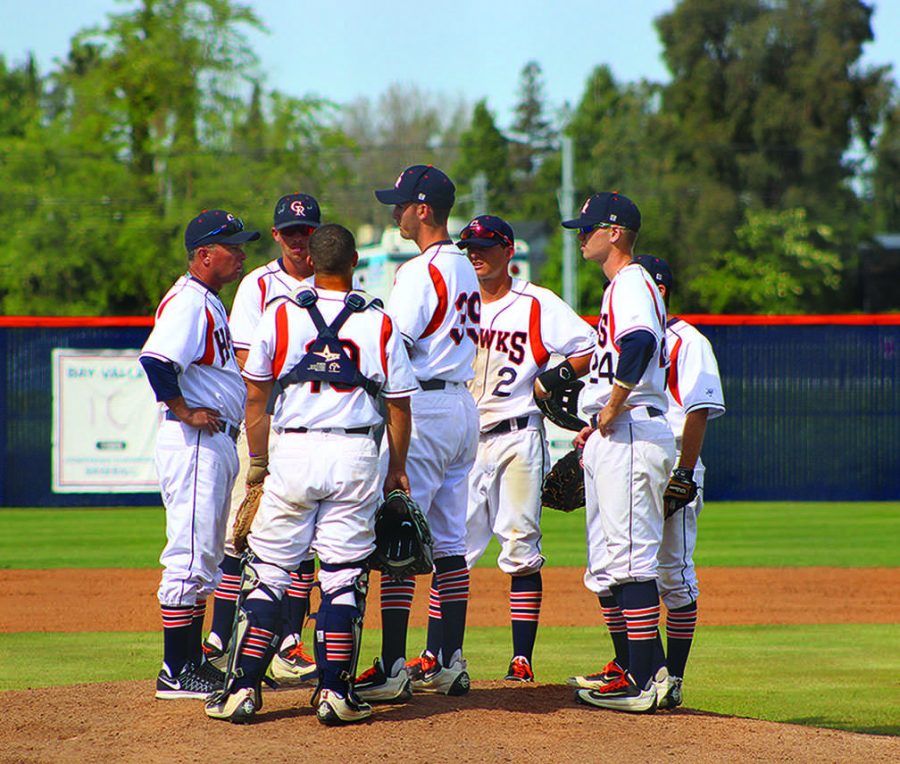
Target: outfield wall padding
(813, 406)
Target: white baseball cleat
(237, 707)
(446, 680)
(376, 685)
(621, 694)
(333, 708)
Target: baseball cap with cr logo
(420, 183)
(297, 209)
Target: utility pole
(479, 194)
(566, 200)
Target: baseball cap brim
(392, 196)
(478, 243)
(578, 222)
(241, 237)
(296, 222)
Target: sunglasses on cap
(233, 226)
(478, 230)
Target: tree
(782, 263)
(153, 116)
(886, 173)
(484, 151)
(531, 122)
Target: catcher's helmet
(402, 538)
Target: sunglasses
(300, 229)
(585, 230)
(235, 225)
(479, 231)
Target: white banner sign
(105, 421)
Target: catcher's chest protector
(328, 358)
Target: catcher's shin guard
(338, 637)
(255, 632)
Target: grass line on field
(771, 534)
(824, 676)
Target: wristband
(683, 473)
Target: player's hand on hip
(396, 480)
(581, 438)
(605, 420)
(204, 419)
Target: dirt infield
(125, 599)
(121, 722)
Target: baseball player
(296, 216)
(521, 326)
(695, 396)
(330, 357)
(190, 363)
(436, 304)
(629, 449)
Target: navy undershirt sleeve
(163, 378)
(635, 351)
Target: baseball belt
(229, 429)
(340, 430)
(508, 425)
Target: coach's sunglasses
(477, 230)
(235, 225)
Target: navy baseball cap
(297, 209)
(420, 183)
(657, 267)
(216, 227)
(486, 231)
(608, 207)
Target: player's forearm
(581, 364)
(692, 437)
(256, 418)
(617, 397)
(399, 426)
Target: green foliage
(144, 125)
(781, 263)
(484, 151)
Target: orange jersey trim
(672, 381)
(538, 349)
(281, 340)
(440, 311)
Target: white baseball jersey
(519, 332)
(693, 380)
(191, 331)
(693, 384)
(631, 303)
(436, 302)
(256, 290)
(286, 331)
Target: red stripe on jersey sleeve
(281, 340)
(672, 381)
(538, 350)
(162, 306)
(262, 293)
(654, 293)
(612, 319)
(440, 311)
(387, 329)
(209, 351)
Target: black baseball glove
(562, 406)
(402, 538)
(563, 488)
(680, 491)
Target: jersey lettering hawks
(631, 303)
(518, 334)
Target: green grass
(841, 676)
(731, 534)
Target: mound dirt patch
(121, 722)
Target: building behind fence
(813, 407)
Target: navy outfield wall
(813, 406)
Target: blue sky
(473, 48)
